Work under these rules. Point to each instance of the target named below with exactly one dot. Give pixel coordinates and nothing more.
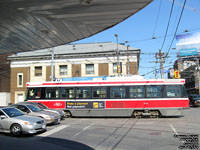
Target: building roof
(78, 49)
(28, 25)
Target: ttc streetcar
(112, 97)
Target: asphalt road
(113, 134)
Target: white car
(16, 122)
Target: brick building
(74, 60)
(4, 80)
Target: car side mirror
(28, 111)
(3, 117)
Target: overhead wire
(167, 25)
(156, 24)
(167, 54)
(155, 70)
(157, 18)
(165, 59)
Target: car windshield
(34, 108)
(13, 112)
(195, 97)
(42, 106)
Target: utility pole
(160, 55)
(198, 74)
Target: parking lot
(113, 134)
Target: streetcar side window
(154, 91)
(99, 92)
(118, 92)
(67, 92)
(83, 92)
(34, 93)
(173, 91)
(52, 93)
(136, 92)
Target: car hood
(28, 118)
(44, 113)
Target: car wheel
(16, 130)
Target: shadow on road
(34, 143)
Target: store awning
(27, 25)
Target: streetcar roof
(108, 82)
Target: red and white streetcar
(113, 96)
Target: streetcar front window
(184, 91)
(34, 93)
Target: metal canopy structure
(27, 25)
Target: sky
(146, 30)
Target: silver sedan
(16, 122)
(32, 110)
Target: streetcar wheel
(16, 130)
(68, 114)
(155, 114)
(137, 114)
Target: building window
(38, 71)
(63, 70)
(89, 68)
(115, 67)
(20, 80)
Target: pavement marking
(83, 130)
(53, 131)
(173, 129)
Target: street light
(52, 62)
(118, 64)
(128, 66)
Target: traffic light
(118, 68)
(176, 74)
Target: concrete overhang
(27, 25)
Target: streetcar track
(129, 129)
(115, 131)
(142, 129)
